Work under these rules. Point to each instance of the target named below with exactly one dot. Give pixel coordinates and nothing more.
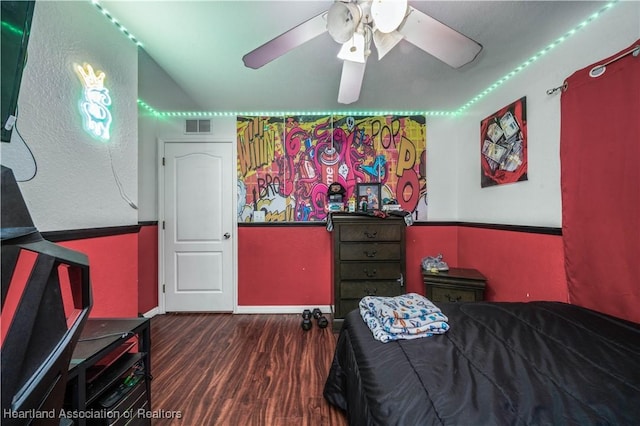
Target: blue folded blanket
(409, 316)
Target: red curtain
(600, 181)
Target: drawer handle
(370, 274)
(370, 253)
(370, 292)
(453, 299)
(371, 234)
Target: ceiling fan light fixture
(388, 14)
(355, 24)
(342, 20)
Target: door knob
(227, 235)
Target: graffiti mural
(286, 163)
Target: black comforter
(537, 363)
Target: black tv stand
(109, 380)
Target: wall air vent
(193, 126)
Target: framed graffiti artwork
(368, 196)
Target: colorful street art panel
(503, 145)
(287, 176)
(261, 172)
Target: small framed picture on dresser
(368, 196)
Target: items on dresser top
(335, 197)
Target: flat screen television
(16, 27)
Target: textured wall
(81, 182)
(152, 78)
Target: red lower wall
(519, 266)
(113, 270)
(284, 265)
(291, 265)
(147, 268)
(423, 241)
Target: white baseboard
(152, 313)
(266, 309)
(279, 309)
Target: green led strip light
(276, 113)
(459, 111)
(116, 23)
(535, 57)
(12, 28)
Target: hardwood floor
(224, 369)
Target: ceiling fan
(356, 24)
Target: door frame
(161, 214)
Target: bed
(535, 363)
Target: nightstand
(454, 285)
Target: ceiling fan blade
(351, 81)
(439, 40)
(285, 42)
(388, 14)
(384, 42)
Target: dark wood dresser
(454, 285)
(368, 260)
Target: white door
(198, 221)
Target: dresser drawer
(352, 292)
(370, 233)
(360, 289)
(344, 306)
(372, 251)
(370, 270)
(444, 294)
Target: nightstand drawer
(375, 251)
(454, 285)
(370, 270)
(370, 233)
(444, 294)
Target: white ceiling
(200, 44)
